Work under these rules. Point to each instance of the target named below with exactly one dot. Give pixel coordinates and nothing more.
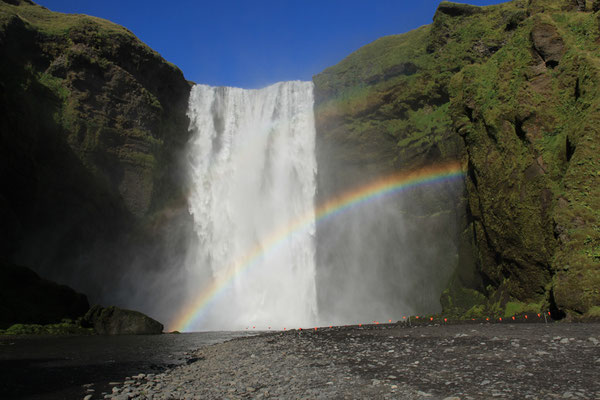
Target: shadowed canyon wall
(93, 126)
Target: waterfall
(253, 173)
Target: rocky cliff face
(529, 118)
(511, 91)
(92, 130)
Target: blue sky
(253, 43)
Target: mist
(243, 241)
(254, 172)
(391, 257)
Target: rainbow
(381, 187)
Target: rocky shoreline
(391, 361)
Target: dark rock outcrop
(25, 298)
(548, 43)
(457, 9)
(117, 321)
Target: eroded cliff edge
(91, 137)
(512, 92)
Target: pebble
(396, 362)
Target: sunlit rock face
(505, 89)
(253, 173)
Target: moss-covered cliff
(93, 124)
(529, 118)
(511, 90)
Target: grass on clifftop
(54, 23)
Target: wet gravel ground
(468, 361)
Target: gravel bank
(470, 361)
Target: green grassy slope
(474, 86)
(397, 86)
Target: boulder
(548, 43)
(26, 298)
(117, 321)
(457, 10)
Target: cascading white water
(253, 171)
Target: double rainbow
(381, 187)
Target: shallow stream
(47, 367)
